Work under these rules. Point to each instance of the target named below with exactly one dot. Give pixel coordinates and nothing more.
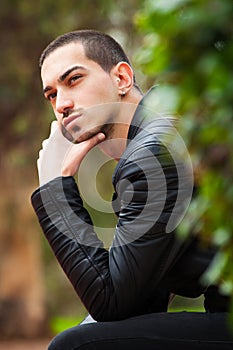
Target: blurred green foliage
(187, 49)
(60, 324)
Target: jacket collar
(141, 113)
(140, 119)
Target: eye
(74, 78)
(51, 96)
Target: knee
(70, 339)
(63, 341)
(55, 343)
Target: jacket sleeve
(121, 282)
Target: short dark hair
(98, 47)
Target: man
(90, 84)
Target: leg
(162, 331)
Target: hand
(52, 154)
(77, 152)
(59, 157)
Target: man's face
(73, 84)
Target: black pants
(183, 331)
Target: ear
(124, 77)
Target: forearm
(110, 284)
(69, 231)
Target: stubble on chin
(67, 134)
(77, 137)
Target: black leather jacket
(146, 261)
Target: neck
(116, 141)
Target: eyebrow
(63, 76)
(70, 70)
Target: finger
(76, 153)
(85, 146)
(92, 142)
(44, 143)
(101, 136)
(95, 140)
(54, 126)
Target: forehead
(62, 58)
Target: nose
(63, 103)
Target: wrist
(67, 171)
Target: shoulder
(147, 150)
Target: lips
(67, 120)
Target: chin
(67, 134)
(85, 136)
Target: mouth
(68, 120)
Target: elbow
(110, 313)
